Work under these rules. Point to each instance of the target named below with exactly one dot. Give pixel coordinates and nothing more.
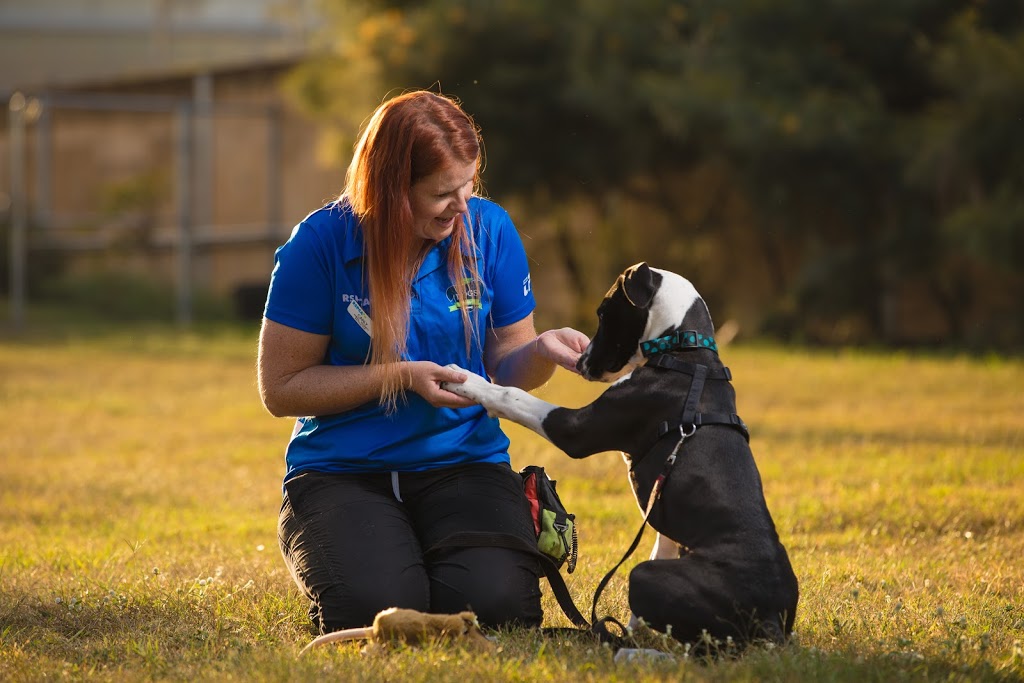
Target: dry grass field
(140, 483)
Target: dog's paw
(474, 388)
(478, 389)
(635, 622)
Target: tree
(816, 158)
(971, 161)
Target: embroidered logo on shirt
(527, 285)
(471, 295)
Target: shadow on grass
(173, 635)
(158, 628)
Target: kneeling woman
(370, 298)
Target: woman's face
(439, 199)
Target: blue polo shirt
(318, 286)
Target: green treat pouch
(554, 526)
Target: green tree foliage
(850, 168)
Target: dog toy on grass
(411, 627)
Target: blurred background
(824, 171)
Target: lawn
(140, 484)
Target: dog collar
(677, 341)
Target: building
(152, 136)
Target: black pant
(355, 544)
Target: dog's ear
(638, 285)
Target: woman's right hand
(425, 379)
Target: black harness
(656, 351)
(690, 419)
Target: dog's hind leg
(678, 598)
(694, 595)
(664, 549)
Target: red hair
(407, 138)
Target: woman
(370, 298)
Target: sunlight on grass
(140, 483)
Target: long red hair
(407, 138)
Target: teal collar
(677, 341)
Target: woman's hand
(516, 356)
(563, 346)
(425, 379)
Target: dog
(718, 571)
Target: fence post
(183, 183)
(41, 208)
(19, 210)
(274, 190)
(202, 173)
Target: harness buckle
(683, 436)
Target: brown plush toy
(411, 627)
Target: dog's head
(644, 303)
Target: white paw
(634, 622)
(475, 388)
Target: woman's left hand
(563, 346)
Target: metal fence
(55, 202)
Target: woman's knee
(502, 587)
(349, 574)
(509, 605)
(337, 607)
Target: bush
(41, 264)
(119, 296)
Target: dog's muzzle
(582, 364)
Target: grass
(140, 483)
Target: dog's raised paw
(467, 389)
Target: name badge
(361, 318)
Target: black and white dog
(718, 565)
